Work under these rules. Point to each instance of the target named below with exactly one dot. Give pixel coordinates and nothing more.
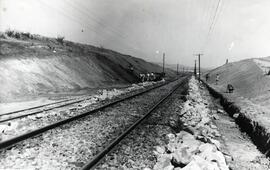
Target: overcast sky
(147, 28)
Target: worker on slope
(207, 77)
(142, 77)
(230, 88)
(217, 79)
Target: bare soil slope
(247, 76)
(39, 66)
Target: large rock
(210, 153)
(181, 157)
(187, 146)
(188, 140)
(192, 166)
(216, 143)
(160, 149)
(207, 148)
(203, 164)
(163, 161)
(170, 137)
(172, 146)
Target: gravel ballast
(138, 149)
(73, 144)
(190, 132)
(19, 126)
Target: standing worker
(207, 77)
(217, 79)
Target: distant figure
(152, 75)
(142, 77)
(230, 88)
(217, 79)
(206, 77)
(131, 68)
(268, 73)
(147, 77)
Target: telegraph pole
(199, 60)
(195, 71)
(177, 68)
(163, 63)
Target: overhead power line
(82, 9)
(212, 26)
(214, 18)
(83, 22)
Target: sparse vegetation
(10, 33)
(18, 35)
(60, 39)
(102, 49)
(50, 47)
(27, 35)
(3, 35)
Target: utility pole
(177, 68)
(164, 63)
(195, 71)
(199, 60)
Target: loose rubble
(19, 126)
(196, 147)
(72, 145)
(136, 150)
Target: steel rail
(100, 156)
(39, 111)
(8, 143)
(32, 108)
(40, 106)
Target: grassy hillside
(247, 76)
(34, 66)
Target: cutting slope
(247, 76)
(39, 66)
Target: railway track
(9, 142)
(72, 101)
(101, 155)
(136, 151)
(36, 107)
(5, 117)
(17, 114)
(23, 114)
(18, 142)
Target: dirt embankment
(247, 77)
(249, 103)
(40, 66)
(254, 123)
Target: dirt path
(245, 155)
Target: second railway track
(31, 133)
(26, 123)
(102, 125)
(8, 116)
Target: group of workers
(147, 77)
(230, 87)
